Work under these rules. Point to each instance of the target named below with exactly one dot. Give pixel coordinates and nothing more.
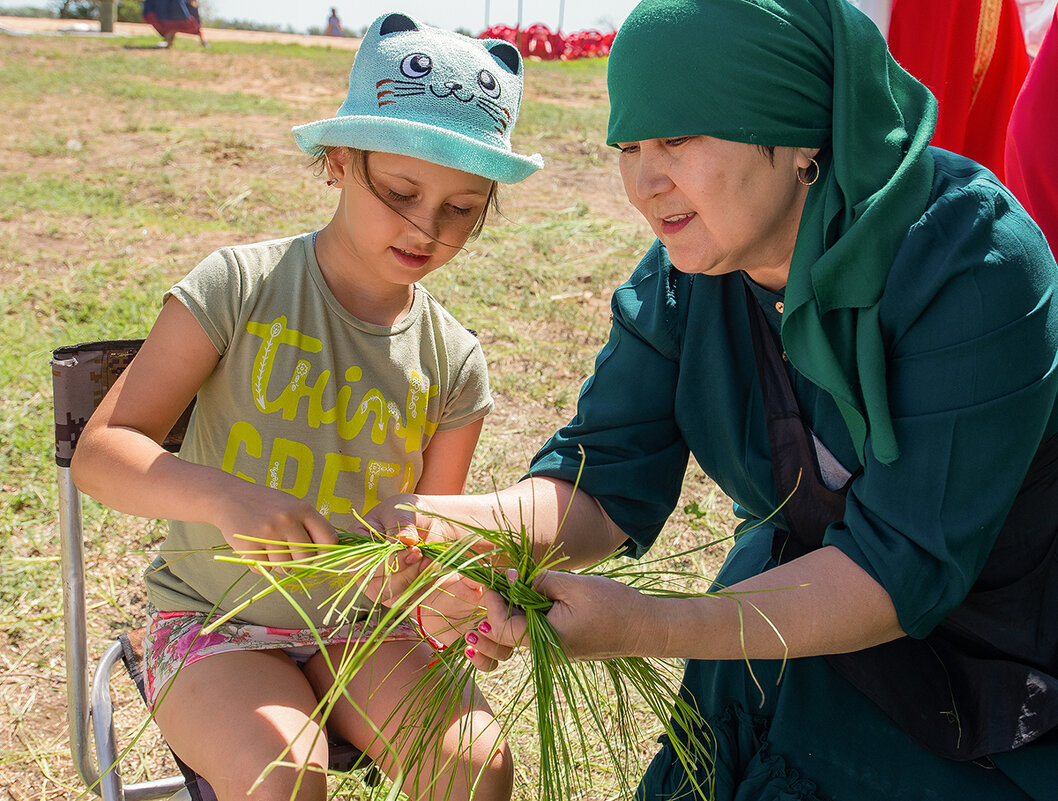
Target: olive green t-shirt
(309, 400)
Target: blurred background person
(334, 25)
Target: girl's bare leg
(229, 716)
(470, 754)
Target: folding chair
(81, 376)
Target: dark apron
(984, 681)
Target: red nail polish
(470, 652)
(472, 638)
(484, 627)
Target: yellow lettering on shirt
(292, 468)
(373, 411)
(328, 500)
(242, 435)
(284, 452)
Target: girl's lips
(413, 260)
(676, 223)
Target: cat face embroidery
(461, 71)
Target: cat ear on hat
(508, 56)
(397, 23)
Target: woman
(816, 262)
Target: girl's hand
(268, 525)
(595, 617)
(408, 527)
(451, 611)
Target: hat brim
(410, 138)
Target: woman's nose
(651, 178)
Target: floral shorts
(175, 639)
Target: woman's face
(719, 206)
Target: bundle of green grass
(575, 702)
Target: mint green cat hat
(432, 94)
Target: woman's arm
(120, 462)
(584, 534)
(820, 603)
(553, 511)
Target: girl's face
(718, 206)
(420, 218)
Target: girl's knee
(281, 783)
(481, 757)
(497, 772)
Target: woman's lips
(676, 222)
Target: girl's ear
(337, 164)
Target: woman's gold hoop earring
(802, 176)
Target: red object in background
(504, 32)
(589, 44)
(171, 17)
(971, 54)
(539, 41)
(1031, 154)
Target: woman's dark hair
(769, 151)
(359, 157)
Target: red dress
(1031, 153)
(171, 16)
(971, 54)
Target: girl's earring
(332, 181)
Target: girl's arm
(446, 460)
(120, 461)
(446, 463)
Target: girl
(326, 379)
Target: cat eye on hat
(431, 94)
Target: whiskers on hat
(400, 89)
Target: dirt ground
(71, 27)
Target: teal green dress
(970, 324)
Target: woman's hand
(595, 617)
(407, 518)
(820, 603)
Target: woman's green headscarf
(800, 73)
